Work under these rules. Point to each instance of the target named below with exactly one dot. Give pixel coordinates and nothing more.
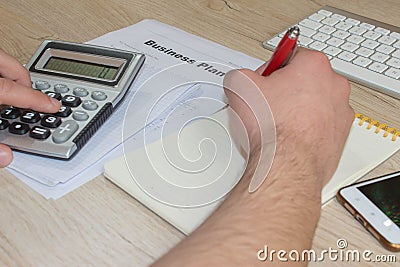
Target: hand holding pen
(283, 52)
(282, 55)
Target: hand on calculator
(16, 90)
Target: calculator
(89, 81)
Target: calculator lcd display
(82, 68)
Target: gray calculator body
(90, 81)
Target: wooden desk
(99, 224)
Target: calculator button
(42, 85)
(54, 95)
(89, 105)
(10, 113)
(18, 128)
(51, 121)
(99, 95)
(79, 91)
(3, 124)
(71, 101)
(30, 116)
(61, 88)
(80, 115)
(38, 132)
(63, 112)
(65, 131)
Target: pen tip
(294, 31)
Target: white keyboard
(366, 51)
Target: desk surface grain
(100, 225)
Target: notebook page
(363, 151)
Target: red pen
(283, 51)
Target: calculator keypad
(18, 128)
(78, 107)
(30, 116)
(39, 132)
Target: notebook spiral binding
(378, 126)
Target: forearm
(277, 215)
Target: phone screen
(385, 194)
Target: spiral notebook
(369, 144)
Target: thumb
(6, 156)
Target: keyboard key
(10, 113)
(3, 124)
(40, 133)
(385, 49)
(341, 34)
(349, 47)
(65, 131)
(367, 26)
(372, 35)
(395, 35)
(343, 26)
(63, 112)
(393, 73)
(304, 31)
(54, 95)
(322, 37)
(378, 67)
(18, 128)
(304, 40)
(71, 101)
(310, 24)
(388, 40)
(394, 62)
(335, 42)
(30, 116)
(274, 41)
(365, 52)
(347, 56)
(362, 61)
(396, 54)
(316, 17)
(356, 39)
(42, 85)
(332, 51)
(327, 29)
(319, 46)
(338, 17)
(371, 44)
(352, 21)
(50, 121)
(357, 30)
(330, 21)
(379, 57)
(397, 44)
(382, 30)
(324, 12)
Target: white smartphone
(376, 205)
